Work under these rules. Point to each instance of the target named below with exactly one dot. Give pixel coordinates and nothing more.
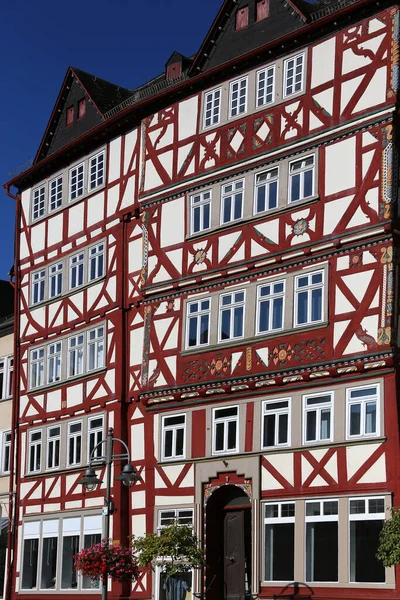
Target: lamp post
(90, 481)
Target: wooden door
(234, 555)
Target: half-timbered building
(207, 264)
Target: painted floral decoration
(300, 227)
(107, 559)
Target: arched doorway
(228, 544)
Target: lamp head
(90, 480)
(128, 476)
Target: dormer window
(262, 10)
(242, 18)
(70, 115)
(81, 108)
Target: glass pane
(30, 561)
(89, 540)
(313, 509)
(238, 206)
(219, 436)
(370, 417)
(178, 587)
(179, 442)
(357, 507)
(273, 194)
(238, 322)
(311, 426)
(279, 552)
(49, 563)
(362, 393)
(322, 551)
(204, 329)
(295, 191)
(271, 511)
(269, 431)
(226, 325)
(227, 209)
(302, 306)
(355, 419)
(364, 541)
(263, 324)
(192, 332)
(226, 412)
(232, 435)
(260, 207)
(168, 443)
(277, 317)
(308, 183)
(325, 424)
(283, 429)
(316, 305)
(178, 420)
(69, 576)
(376, 505)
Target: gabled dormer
(81, 104)
(175, 66)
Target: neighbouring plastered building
(207, 264)
(6, 405)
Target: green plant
(389, 541)
(176, 549)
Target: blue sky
(126, 42)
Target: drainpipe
(14, 454)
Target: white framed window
(301, 178)
(5, 452)
(76, 345)
(270, 306)
(95, 436)
(212, 107)
(95, 348)
(55, 280)
(266, 190)
(266, 86)
(36, 361)
(54, 355)
(238, 97)
(96, 171)
(318, 417)
(322, 540)
(200, 211)
(55, 193)
(173, 436)
(74, 442)
(363, 411)
(53, 447)
(198, 323)
(231, 315)
(38, 202)
(279, 524)
(275, 423)
(96, 261)
(366, 516)
(293, 78)
(225, 430)
(6, 377)
(232, 195)
(181, 516)
(38, 286)
(76, 270)
(309, 291)
(48, 548)
(182, 586)
(35, 451)
(76, 181)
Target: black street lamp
(90, 481)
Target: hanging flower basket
(106, 559)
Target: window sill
(316, 584)
(251, 340)
(70, 380)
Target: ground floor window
(177, 588)
(309, 536)
(48, 549)
(366, 520)
(279, 519)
